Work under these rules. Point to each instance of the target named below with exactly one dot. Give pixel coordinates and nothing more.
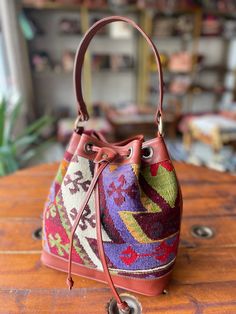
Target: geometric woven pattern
(140, 215)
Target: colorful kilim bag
(114, 210)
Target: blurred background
(197, 44)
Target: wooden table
(204, 280)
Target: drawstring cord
(103, 158)
(70, 281)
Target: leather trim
(74, 142)
(160, 152)
(135, 144)
(157, 144)
(148, 287)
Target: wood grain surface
(204, 279)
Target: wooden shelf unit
(145, 19)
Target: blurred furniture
(214, 130)
(204, 277)
(172, 116)
(65, 128)
(129, 120)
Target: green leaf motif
(164, 183)
(52, 211)
(55, 241)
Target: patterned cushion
(208, 123)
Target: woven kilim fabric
(140, 214)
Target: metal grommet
(147, 152)
(133, 303)
(130, 153)
(37, 234)
(88, 148)
(204, 232)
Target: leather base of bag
(151, 287)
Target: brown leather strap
(79, 59)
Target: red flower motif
(129, 256)
(118, 192)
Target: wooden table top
(204, 279)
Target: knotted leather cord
(100, 166)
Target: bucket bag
(114, 209)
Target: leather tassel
(70, 282)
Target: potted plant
(16, 150)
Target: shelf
(69, 35)
(70, 73)
(216, 37)
(51, 73)
(109, 71)
(212, 90)
(52, 6)
(190, 37)
(80, 36)
(172, 37)
(213, 68)
(195, 90)
(140, 13)
(128, 8)
(70, 7)
(229, 14)
(207, 68)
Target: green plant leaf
(12, 164)
(15, 151)
(8, 164)
(37, 126)
(24, 142)
(2, 169)
(14, 115)
(29, 154)
(3, 106)
(4, 150)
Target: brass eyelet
(130, 153)
(88, 148)
(147, 152)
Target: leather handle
(79, 59)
